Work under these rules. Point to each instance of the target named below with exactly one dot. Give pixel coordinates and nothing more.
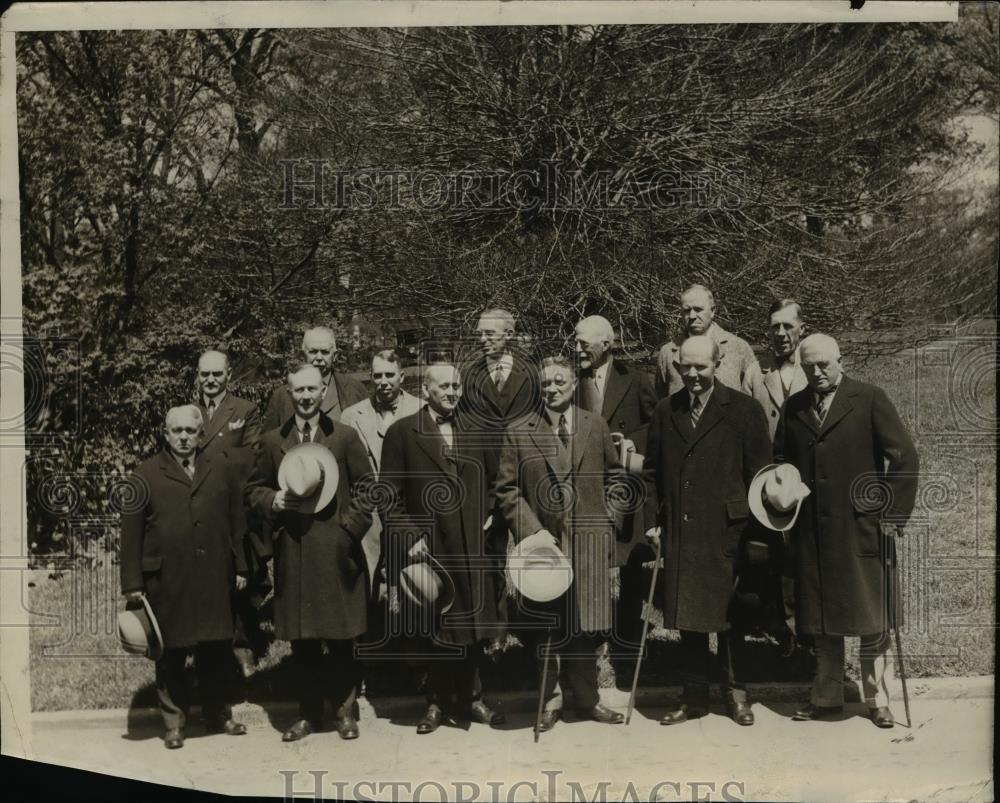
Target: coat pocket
(737, 513)
(868, 535)
(151, 563)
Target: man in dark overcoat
(319, 348)
(555, 470)
(625, 399)
(706, 443)
(434, 471)
(320, 592)
(853, 451)
(181, 546)
(232, 433)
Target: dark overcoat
(319, 577)
(181, 542)
(340, 394)
(440, 495)
(701, 476)
(861, 467)
(544, 486)
(629, 401)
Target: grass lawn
(946, 394)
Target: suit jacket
(766, 387)
(543, 485)
(366, 421)
(440, 495)
(861, 467)
(341, 393)
(629, 402)
(700, 475)
(737, 359)
(181, 542)
(319, 578)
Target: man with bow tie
(232, 433)
(625, 399)
(855, 455)
(320, 589)
(181, 546)
(433, 470)
(372, 418)
(555, 471)
(706, 443)
(319, 348)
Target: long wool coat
(701, 476)
(542, 485)
(440, 495)
(319, 577)
(861, 467)
(181, 543)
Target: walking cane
(645, 628)
(893, 601)
(541, 689)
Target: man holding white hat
(182, 549)
(308, 483)
(860, 464)
(555, 469)
(435, 523)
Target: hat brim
(318, 500)
(150, 644)
(777, 520)
(445, 599)
(539, 573)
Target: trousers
(217, 675)
(828, 685)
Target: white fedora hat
(138, 630)
(539, 570)
(776, 495)
(309, 470)
(426, 583)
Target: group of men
(367, 496)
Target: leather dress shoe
(601, 713)
(299, 730)
(347, 727)
(549, 720)
(230, 727)
(482, 713)
(810, 711)
(882, 717)
(682, 713)
(740, 711)
(173, 739)
(431, 720)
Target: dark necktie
(696, 410)
(444, 419)
(211, 409)
(188, 467)
(820, 407)
(562, 431)
(306, 433)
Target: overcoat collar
(715, 410)
(840, 407)
(290, 436)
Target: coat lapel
(547, 442)
(619, 382)
(202, 468)
(714, 412)
(510, 388)
(680, 414)
(171, 468)
(223, 415)
(431, 441)
(331, 399)
(580, 438)
(289, 435)
(840, 407)
(772, 381)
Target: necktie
(696, 410)
(819, 407)
(306, 433)
(211, 409)
(188, 468)
(443, 419)
(562, 431)
(498, 379)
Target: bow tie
(444, 419)
(387, 408)
(827, 392)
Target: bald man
(319, 348)
(232, 434)
(181, 546)
(625, 399)
(853, 451)
(698, 318)
(705, 445)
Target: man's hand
(417, 548)
(241, 582)
(134, 596)
(545, 538)
(286, 500)
(892, 530)
(653, 535)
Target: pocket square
(237, 424)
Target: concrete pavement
(946, 755)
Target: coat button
(687, 483)
(685, 517)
